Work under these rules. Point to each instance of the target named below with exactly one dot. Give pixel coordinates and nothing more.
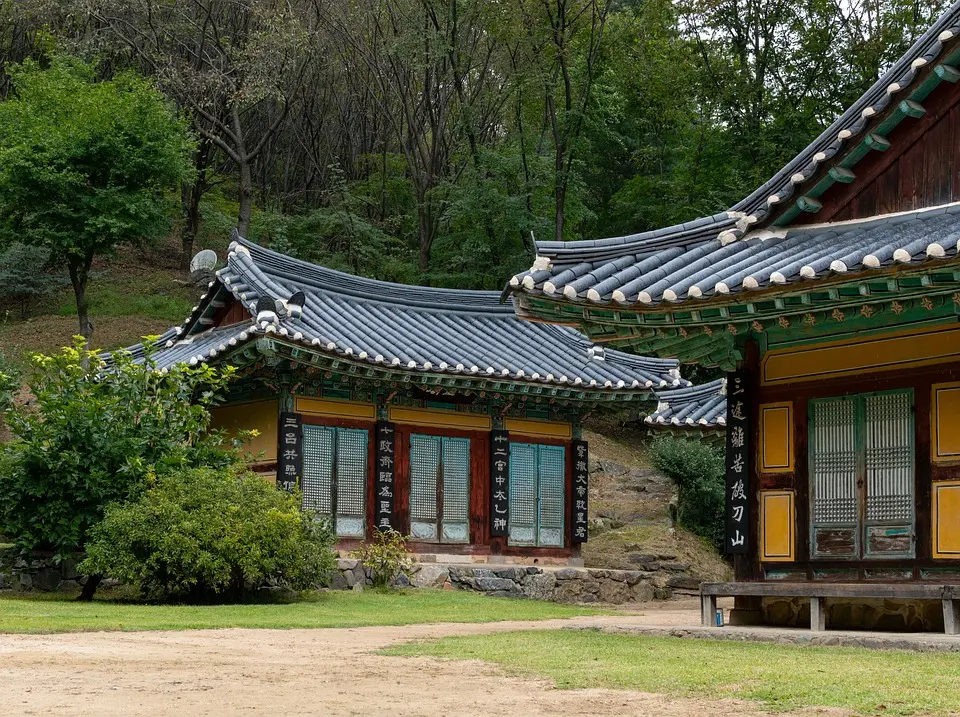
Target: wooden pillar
(818, 614)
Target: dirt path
(299, 672)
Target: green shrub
(25, 277)
(698, 470)
(386, 555)
(92, 437)
(211, 535)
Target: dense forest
(428, 141)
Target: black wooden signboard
(290, 452)
(386, 472)
(499, 482)
(737, 464)
(581, 490)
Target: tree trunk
(190, 202)
(426, 237)
(79, 273)
(246, 194)
(89, 588)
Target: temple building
(436, 412)
(831, 295)
(702, 409)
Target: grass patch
(59, 613)
(778, 676)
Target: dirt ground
(303, 672)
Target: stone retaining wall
(37, 572)
(579, 585)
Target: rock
(588, 598)
(347, 564)
(68, 569)
(358, 587)
(359, 575)
(402, 581)
(46, 579)
(684, 582)
(534, 570)
(641, 558)
(430, 576)
(569, 574)
(338, 581)
(24, 582)
(489, 584)
(613, 592)
(631, 577)
(540, 587)
(677, 567)
(568, 591)
(666, 556)
(599, 574)
(515, 574)
(642, 592)
(662, 593)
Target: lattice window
(317, 468)
(456, 490)
(889, 448)
(335, 476)
(537, 504)
(862, 475)
(439, 488)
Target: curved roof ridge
(358, 287)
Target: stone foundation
(38, 572)
(575, 585)
(862, 614)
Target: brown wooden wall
(920, 169)
(925, 474)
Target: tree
(96, 434)
(86, 166)
(25, 275)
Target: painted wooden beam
(809, 204)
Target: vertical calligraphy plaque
(499, 483)
(290, 452)
(386, 471)
(737, 507)
(581, 491)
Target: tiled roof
(591, 271)
(401, 329)
(778, 257)
(703, 406)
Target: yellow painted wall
(776, 525)
(945, 422)
(334, 408)
(258, 415)
(854, 356)
(946, 520)
(439, 418)
(539, 429)
(776, 437)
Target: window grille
(862, 475)
(439, 488)
(537, 505)
(335, 476)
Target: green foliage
(94, 435)
(386, 555)
(211, 535)
(25, 276)
(697, 469)
(86, 166)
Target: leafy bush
(698, 470)
(386, 555)
(93, 435)
(206, 534)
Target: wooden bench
(949, 595)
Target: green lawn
(39, 614)
(780, 677)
